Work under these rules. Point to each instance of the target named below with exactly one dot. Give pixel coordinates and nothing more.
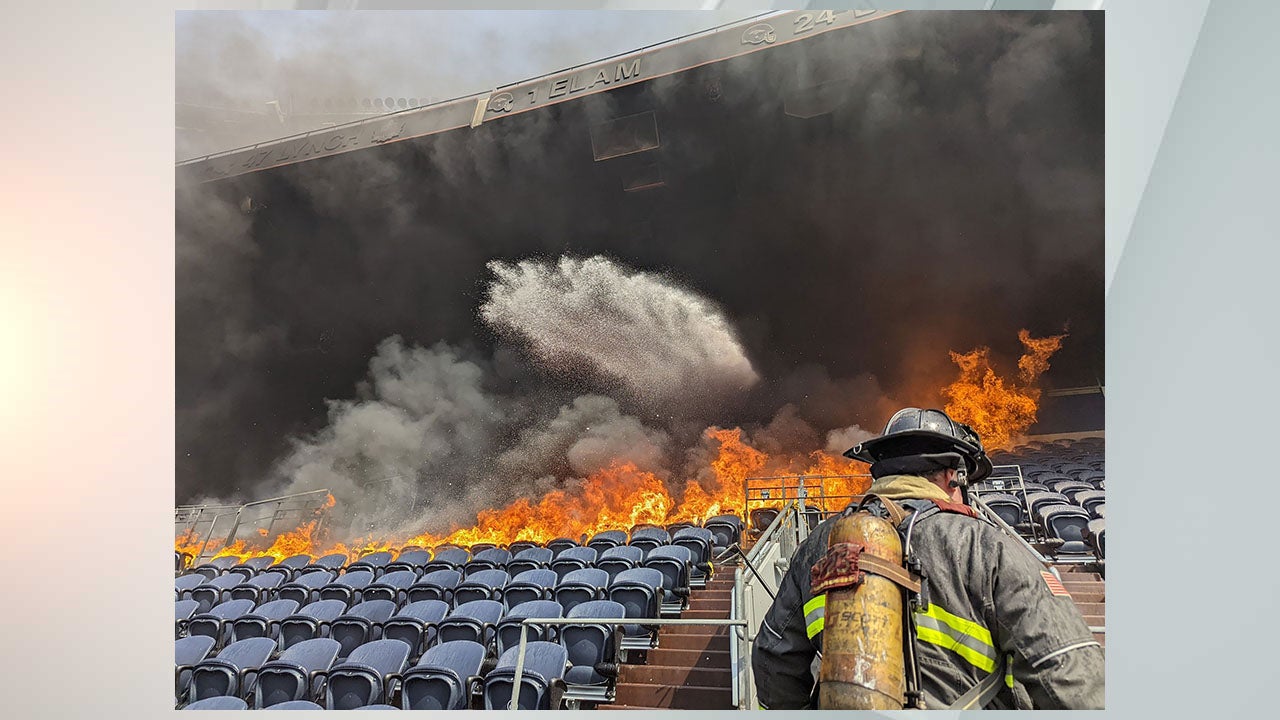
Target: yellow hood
(907, 487)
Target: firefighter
(987, 610)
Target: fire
(998, 409)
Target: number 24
(806, 21)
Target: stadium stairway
(1089, 593)
(690, 667)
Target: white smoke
(841, 439)
(661, 341)
(589, 435)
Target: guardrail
(527, 622)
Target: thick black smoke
(947, 193)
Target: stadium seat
(360, 624)
(541, 682)
(290, 566)
(648, 538)
(226, 673)
(520, 546)
(264, 620)
(674, 528)
(481, 547)
(538, 584)
(1068, 523)
(490, 559)
(413, 560)
(216, 567)
(216, 623)
(258, 588)
(508, 628)
(1038, 501)
(347, 587)
(674, 563)
(574, 558)
(725, 530)
(182, 612)
(361, 679)
(616, 559)
(1069, 487)
(215, 591)
(1096, 531)
(252, 566)
(482, 585)
(296, 705)
(435, 585)
(447, 557)
(333, 562)
(311, 621)
(1100, 510)
(187, 652)
(639, 591)
(762, 518)
(534, 558)
(593, 652)
(222, 702)
(602, 541)
(292, 676)
(375, 563)
(415, 624)
(443, 679)
(393, 585)
(1008, 507)
(1089, 500)
(583, 585)
(698, 541)
(559, 545)
(184, 584)
(305, 588)
(475, 621)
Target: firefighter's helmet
(913, 432)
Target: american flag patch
(1055, 587)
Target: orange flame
(999, 410)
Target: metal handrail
(527, 622)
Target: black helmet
(913, 432)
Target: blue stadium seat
(435, 585)
(227, 673)
(508, 629)
(216, 567)
(333, 562)
(475, 621)
(602, 541)
(184, 584)
(582, 586)
(183, 610)
(616, 559)
(537, 584)
(293, 675)
(415, 624)
(264, 620)
(541, 682)
(559, 545)
(347, 587)
(574, 558)
(393, 585)
(447, 557)
(1008, 507)
(251, 567)
(1097, 536)
(490, 559)
(481, 585)
(674, 563)
(187, 652)
(444, 678)
(725, 530)
(360, 624)
(640, 592)
(534, 558)
(215, 591)
(520, 546)
(311, 621)
(373, 562)
(223, 702)
(361, 679)
(593, 652)
(762, 518)
(305, 588)
(412, 559)
(1090, 500)
(258, 588)
(290, 566)
(699, 543)
(1068, 523)
(648, 538)
(296, 705)
(216, 623)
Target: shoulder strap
(978, 696)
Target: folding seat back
(252, 566)
(216, 623)
(373, 562)
(297, 705)
(489, 559)
(1030, 488)
(698, 541)
(347, 587)
(508, 629)
(413, 560)
(538, 584)
(1039, 501)
(264, 620)
(520, 546)
(639, 591)
(648, 538)
(574, 558)
(1070, 487)
(290, 566)
(259, 588)
(482, 585)
(223, 702)
(616, 559)
(481, 547)
(1097, 532)
(443, 677)
(559, 545)
(1068, 523)
(447, 557)
(393, 586)
(674, 528)
(415, 624)
(582, 586)
(360, 624)
(592, 648)
(293, 675)
(534, 558)
(333, 562)
(602, 541)
(361, 679)
(674, 563)
(1007, 507)
(227, 673)
(475, 621)
(305, 588)
(183, 610)
(435, 585)
(542, 677)
(188, 651)
(311, 621)
(1091, 499)
(725, 529)
(216, 566)
(215, 591)
(762, 518)
(184, 584)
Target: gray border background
(86, 328)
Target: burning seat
(258, 588)
(311, 621)
(559, 545)
(674, 563)
(537, 584)
(488, 559)
(725, 530)
(762, 518)
(359, 624)
(640, 593)
(520, 546)
(393, 586)
(508, 629)
(333, 562)
(447, 557)
(294, 675)
(216, 623)
(574, 558)
(593, 652)
(475, 621)
(533, 558)
(602, 541)
(698, 541)
(541, 681)
(648, 538)
(435, 585)
(305, 588)
(482, 585)
(187, 652)
(347, 586)
(616, 559)
(214, 591)
(264, 621)
(583, 585)
(412, 559)
(373, 562)
(227, 674)
(444, 677)
(362, 679)
(415, 624)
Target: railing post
(515, 683)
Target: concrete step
(1090, 609)
(701, 643)
(1095, 621)
(667, 696)
(1088, 597)
(652, 674)
(697, 602)
(701, 657)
